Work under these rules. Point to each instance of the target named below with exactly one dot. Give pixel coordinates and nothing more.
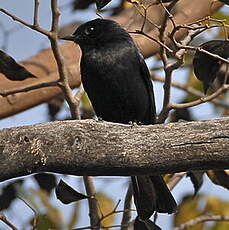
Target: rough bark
(89, 147)
(44, 66)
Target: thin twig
(127, 208)
(29, 88)
(82, 228)
(152, 38)
(77, 99)
(102, 227)
(8, 223)
(169, 68)
(93, 207)
(114, 211)
(15, 18)
(55, 16)
(176, 178)
(221, 90)
(36, 13)
(195, 26)
(201, 219)
(144, 18)
(64, 84)
(204, 51)
(137, 5)
(34, 224)
(189, 90)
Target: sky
(23, 43)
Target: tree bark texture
(89, 147)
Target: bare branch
(164, 58)
(204, 51)
(29, 88)
(64, 84)
(169, 68)
(89, 147)
(55, 16)
(201, 219)
(34, 224)
(189, 90)
(77, 99)
(105, 227)
(201, 100)
(153, 39)
(8, 223)
(93, 206)
(176, 178)
(127, 208)
(36, 13)
(15, 18)
(114, 211)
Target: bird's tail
(165, 203)
(151, 194)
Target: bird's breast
(115, 86)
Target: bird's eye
(89, 30)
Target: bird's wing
(146, 76)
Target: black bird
(206, 67)
(117, 81)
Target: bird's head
(98, 32)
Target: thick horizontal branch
(89, 147)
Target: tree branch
(31, 26)
(127, 208)
(88, 147)
(202, 100)
(8, 223)
(36, 13)
(61, 66)
(201, 219)
(189, 90)
(29, 88)
(176, 178)
(92, 202)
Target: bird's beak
(68, 38)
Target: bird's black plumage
(206, 67)
(117, 81)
